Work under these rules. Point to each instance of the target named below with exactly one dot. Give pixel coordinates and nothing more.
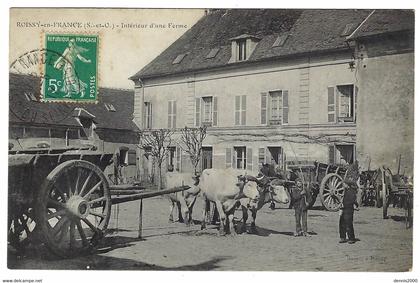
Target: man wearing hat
(348, 205)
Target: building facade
(272, 86)
(106, 125)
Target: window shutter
(264, 99)
(150, 116)
(228, 157)
(178, 159)
(214, 111)
(285, 107)
(356, 90)
(331, 154)
(174, 114)
(261, 156)
(197, 112)
(249, 158)
(243, 118)
(237, 110)
(145, 115)
(331, 105)
(169, 114)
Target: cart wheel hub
(78, 206)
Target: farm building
(281, 86)
(106, 125)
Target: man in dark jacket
(346, 217)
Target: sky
(129, 38)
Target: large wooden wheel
(21, 227)
(73, 208)
(385, 194)
(332, 191)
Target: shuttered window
(147, 115)
(197, 112)
(240, 110)
(249, 158)
(228, 157)
(331, 104)
(240, 158)
(264, 107)
(171, 114)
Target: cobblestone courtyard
(386, 245)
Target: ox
(222, 187)
(183, 200)
(270, 191)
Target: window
(241, 50)
(240, 157)
(341, 154)
(213, 53)
(206, 111)
(280, 40)
(240, 110)
(275, 104)
(342, 103)
(30, 96)
(346, 100)
(179, 58)
(173, 160)
(147, 117)
(110, 107)
(88, 126)
(131, 158)
(348, 29)
(171, 114)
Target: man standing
(348, 205)
(300, 200)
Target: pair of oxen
(227, 189)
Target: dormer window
(242, 47)
(241, 53)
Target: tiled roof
(384, 22)
(122, 100)
(308, 31)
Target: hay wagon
(62, 198)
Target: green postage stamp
(72, 72)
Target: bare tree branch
(192, 143)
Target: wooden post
(140, 219)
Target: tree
(192, 143)
(156, 142)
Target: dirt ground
(385, 245)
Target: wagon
(62, 198)
(394, 188)
(323, 179)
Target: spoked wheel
(332, 191)
(21, 228)
(408, 211)
(73, 208)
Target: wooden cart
(62, 198)
(323, 179)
